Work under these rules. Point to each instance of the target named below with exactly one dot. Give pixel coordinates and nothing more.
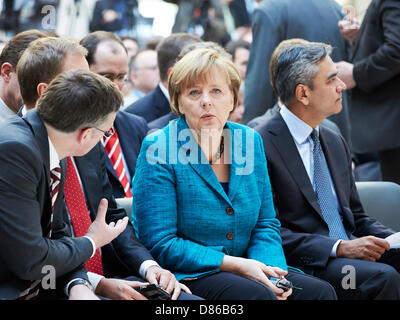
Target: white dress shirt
(5, 112)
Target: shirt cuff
(145, 265)
(94, 279)
(66, 288)
(334, 248)
(93, 245)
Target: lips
(207, 116)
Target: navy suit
(151, 106)
(25, 211)
(305, 234)
(131, 131)
(124, 255)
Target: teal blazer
(182, 214)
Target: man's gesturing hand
(101, 232)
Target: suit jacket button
(229, 211)
(230, 236)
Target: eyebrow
(332, 75)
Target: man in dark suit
(374, 80)
(32, 178)
(325, 230)
(107, 56)
(276, 20)
(156, 103)
(125, 257)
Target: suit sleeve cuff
(93, 245)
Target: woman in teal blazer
(202, 198)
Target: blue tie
(323, 190)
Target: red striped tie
(79, 213)
(113, 149)
(55, 175)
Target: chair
(126, 203)
(381, 200)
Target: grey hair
(297, 64)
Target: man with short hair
(32, 180)
(10, 96)
(108, 57)
(143, 74)
(324, 226)
(156, 103)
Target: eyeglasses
(108, 133)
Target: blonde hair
(194, 67)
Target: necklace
(219, 152)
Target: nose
(341, 86)
(205, 100)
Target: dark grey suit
(277, 20)
(25, 211)
(305, 234)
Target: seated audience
(203, 212)
(87, 182)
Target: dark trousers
(389, 161)
(372, 280)
(228, 286)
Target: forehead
(110, 58)
(148, 57)
(326, 68)
(214, 76)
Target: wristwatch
(79, 281)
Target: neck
(306, 114)
(212, 144)
(60, 141)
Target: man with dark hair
(107, 56)
(156, 103)
(324, 227)
(10, 96)
(32, 182)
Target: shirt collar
(164, 90)
(298, 128)
(54, 160)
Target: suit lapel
(42, 140)
(283, 141)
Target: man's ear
(6, 69)
(41, 88)
(83, 135)
(303, 94)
